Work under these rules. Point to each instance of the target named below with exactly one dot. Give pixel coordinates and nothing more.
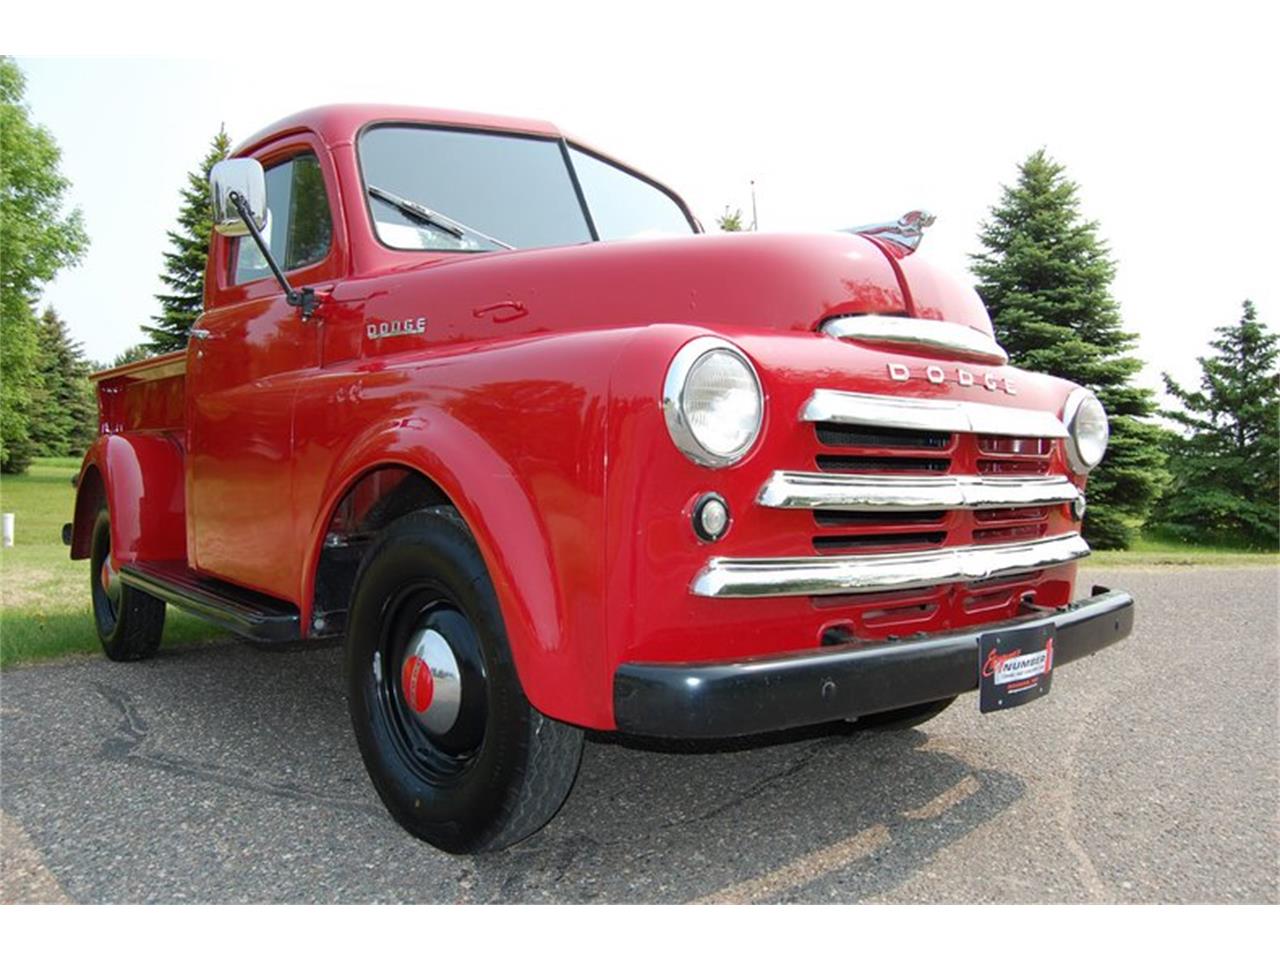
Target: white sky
(842, 114)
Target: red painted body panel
(532, 402)
(140, 476)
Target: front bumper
(757, 695)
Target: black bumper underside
(763, 694)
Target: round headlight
(713, 402)
(1087, 430)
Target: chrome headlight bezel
(1084, 399)
(684, 364)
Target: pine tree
(66, 412)
(185, 260)
(138, 351)
(1045, 277)
(1226, 468)
(36, 240)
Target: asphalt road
(228, 773)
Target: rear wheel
(455, 750)
(130, 623)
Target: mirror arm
(305, 297)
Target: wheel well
(90, 496)
(373, 502)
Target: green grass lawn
(44, 595)
(1150, 551)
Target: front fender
(515, 437)
(140, 479)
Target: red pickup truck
(490, 405)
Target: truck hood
(755, 281)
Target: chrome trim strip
(822, 576)
(910, 413)
(910, 333)
(793, 490)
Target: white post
(8, 529)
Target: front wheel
(457, 753)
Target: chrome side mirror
(244, 178)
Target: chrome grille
(910, 494)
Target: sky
(841, 113)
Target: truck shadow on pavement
(820, 814)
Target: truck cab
(488, 405)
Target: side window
(623, 205)
(298, 228)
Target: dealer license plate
(1015, 666)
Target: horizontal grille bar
(910, 413)
(790, 490)
(819, 576)
(911, 334)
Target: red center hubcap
(416, 684)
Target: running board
(244, 612)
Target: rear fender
(140, 479)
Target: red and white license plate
(1015, 666)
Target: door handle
(199, 333)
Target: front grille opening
(1023, 580)
(851, 435)
(867, 518)
(1018, 467)
(1010, 514)
(929, 538)
(915, 597)
(1015, 446)
(1029, 531)
(1018, 456)
(890, 616)
(843, 464)
(993, 600)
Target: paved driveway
(228, 773)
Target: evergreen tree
(67, 417)
(1045, 277)
(139, 351)
(36, 240)
(1226, 468)
(185, 260)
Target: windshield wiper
(432, 218)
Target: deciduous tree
(36, 240)
(730, 221)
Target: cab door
(248, 355)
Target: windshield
(458, 190)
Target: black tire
(130, 623)
(501, 770)
(902, 718)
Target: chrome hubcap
(430, 681)
(110, 581)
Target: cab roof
(339, 123)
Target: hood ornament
(905, 232)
